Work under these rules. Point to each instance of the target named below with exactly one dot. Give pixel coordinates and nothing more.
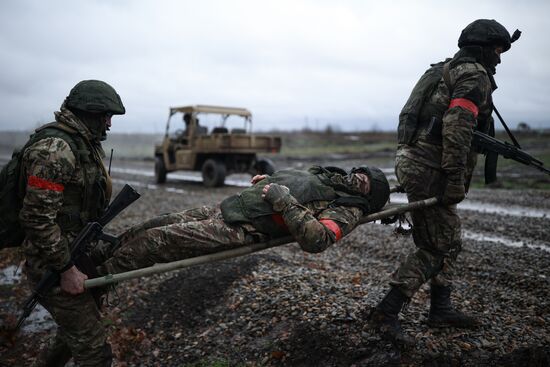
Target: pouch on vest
(408, 118)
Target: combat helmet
(487, 32)
(95, 96)
(379, 187)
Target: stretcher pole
(390, 210)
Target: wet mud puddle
(39, 319)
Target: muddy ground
(283, 307)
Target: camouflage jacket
(319, 211)
(63, 190)
(445, 138)
(316, 226)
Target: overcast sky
(351, 64)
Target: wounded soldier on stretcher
(316, 207)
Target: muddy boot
(384, 319)
(58, 355)
(107, 356)
(442, 312)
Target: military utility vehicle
(217, 151)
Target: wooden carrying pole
(243, 250)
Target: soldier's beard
(98, 127)
(103, 136)
(104, 133)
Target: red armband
(279, 220)
(330, 224)
(40, 183)
(465, 103)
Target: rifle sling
(512, 137)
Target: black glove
(454, 193)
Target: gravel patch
(284, 307)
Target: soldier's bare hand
(265, 190)
(257, 179)
(72, 281)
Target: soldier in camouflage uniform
(65, 186)
(439, 162)
(316, 207)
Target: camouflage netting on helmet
(487, 32)
(95, 96)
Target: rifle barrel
(507, 150)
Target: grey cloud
(353, 62)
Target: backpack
(11, 200)
(408, 118)
(12, 188)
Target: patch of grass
(506, 162)
(512, 184)
(324, 148)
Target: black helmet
(379, 186)
(95, 96)
(487, 32)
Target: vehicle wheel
(264, 166)
(213, 173)
(160, 170)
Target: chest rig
(87, 194)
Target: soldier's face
(361, 181)
(498, 51)
(106, 122)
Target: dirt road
(285, 307)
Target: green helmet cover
(95, 96)
(487, 32)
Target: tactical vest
(419, 116)
(305, 186)
(416, 109)
(80, 203)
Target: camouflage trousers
(436, 230)
(176, 236)
(80, 333)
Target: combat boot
(442, 312)
(383, 318)
(56, 356)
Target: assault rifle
(92, 232)
(492, 147)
